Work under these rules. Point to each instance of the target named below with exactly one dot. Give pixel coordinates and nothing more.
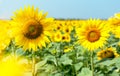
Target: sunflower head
(93, 34)
(58, 26)
(66, 38)
(107, 53)
(31, 28)
(114, 21)
(67, 28)
(56, 37)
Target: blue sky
(82, 9)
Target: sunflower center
(31, 29)
(58, 28)
(67, 30)
(34, 30)
(58, 36)
(109, 54)
(63, 38)
(93, 35)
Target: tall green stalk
(92, 63)
(33, 64)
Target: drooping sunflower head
(31, 28)
(93, 34)
(107, 53)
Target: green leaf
(101, 75)
(107, 62)
(85, 72)
(65, 60)
(51, 58)
(19, 52)
(40, 64)
(114, 74)
(118, 65)
(58, 74)
(78, 66)
(49, 68)
(117, 62)
(46, 70)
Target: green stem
(13, 50)
(77, 52)
(92, 63)
(33, 64)
(57, 65)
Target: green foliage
(53, 61)
(65, 60)
(85, 72)
(78, 66)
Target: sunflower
(115, 24)
(31, 28)
(93, 34)
(114, 21)
(58, 26)
(67, 28)
(107, 53)
(56, 37)
(5, 34)
(66, 38)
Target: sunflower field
(33, 45)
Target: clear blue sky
(82, 9)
